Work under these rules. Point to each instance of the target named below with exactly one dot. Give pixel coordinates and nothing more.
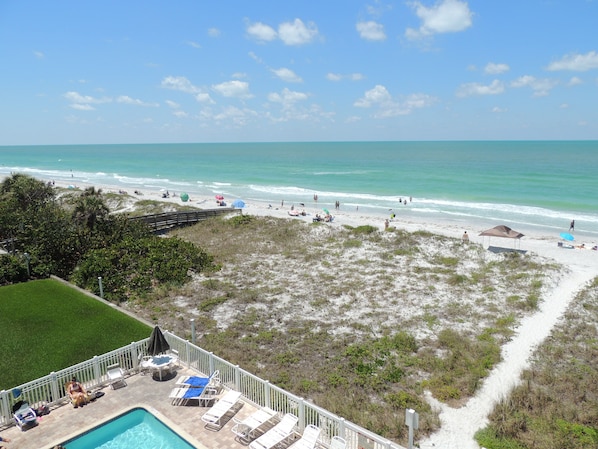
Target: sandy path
(459, 425)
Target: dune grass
(46, 326)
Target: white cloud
(172, 104)
(378, 95)
(540, 87)
(287, 98)
(233, 89)
(125, 99)
(287, 75)
(380, 98)
(371, 31)
(261, 32)
(255, 57)
(82, 107)
(179, 83)
(193, 44)
(446, 16)
(575, 62)
(84, 102)
(496, 69)
(468, 89)
(296, 32)
(339, 77)
(204, 98)
(180, 114)
(564, 106)
(213, 32)
(498, 110)
(39, 54)
(574, 81)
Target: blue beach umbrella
(567, 236)
(238, 204)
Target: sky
(82, 72)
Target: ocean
(528, 185)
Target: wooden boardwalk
(165, 221)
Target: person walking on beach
(572, 226)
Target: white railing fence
(50, 389)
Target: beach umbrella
(567, 236)
(184, 197)
(157, 343)
(239, 204)
(326, 211)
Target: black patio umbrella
(157, 343)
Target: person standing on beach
(465, 237)
(572, 226)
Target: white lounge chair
(145, 364)
(227, 403)
(308, 439)
(277, 434)
(245, 430)
(116, 376)
(338, 443)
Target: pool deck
(65, 421)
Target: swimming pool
(134, 429)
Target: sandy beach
(458, 425)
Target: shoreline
(541, 241)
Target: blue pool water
(134, 429)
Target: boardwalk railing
(50, 389)
(168, 220)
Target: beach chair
(338, 443)
(308, 439)
(116, 376)
(186, 396)
(214, 418)
(277, 434)
(246, 429)
(145, 364)
(24, 415)
(199, 382)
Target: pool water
(134, 429)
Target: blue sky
(297, 70)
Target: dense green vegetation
(46, 326)
(74, 236)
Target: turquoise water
(135, 429)
(530, 185)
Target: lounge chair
(24, 415)
(116, 376)
(338, 443)
(277, 434)
(203, 395)
(145, 364)
(308, 439)
(214, 417)
(197, 381)
(245, 430)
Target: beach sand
(458, 425)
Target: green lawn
(46, 326)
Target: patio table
(160, 363)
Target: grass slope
(46, 326)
